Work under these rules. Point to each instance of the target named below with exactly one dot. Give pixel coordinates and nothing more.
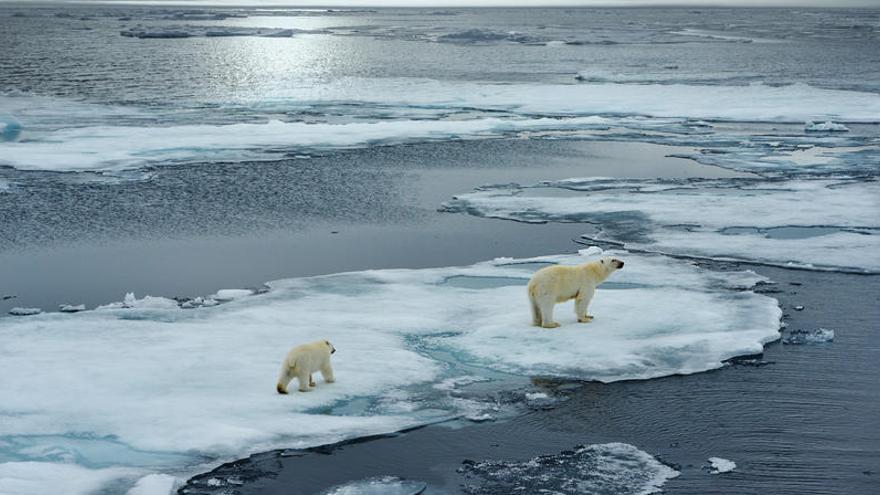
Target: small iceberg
(70, 308)
(17, 311)
(720, 465)
(827, 126)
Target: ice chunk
(147, 302)
(603, 468)
(821, 224)
(383, 485)
(70, 308)
(827, 126)
(817, 336)
(537, 396)
(153, 484)
(230, 294)
(170, 390)
(720, 465)
(18, 311)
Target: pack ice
(821, 224)
(145, 388)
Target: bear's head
(611, 264)
(332, 349)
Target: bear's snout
(619, 264)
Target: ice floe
(720, 465)
(123, 147)
(602, 468)
(822, 224)
(71, 308)
(19, 311)
(164, 390)
(176, 31)
(826, 126)
(73, 136)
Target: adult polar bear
(302, 361)
(558, 283)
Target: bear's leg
(304, 379)
(536, 311)
(283, 379)
(327, 373)
(545, 306)
(582, 302)
(311, 381)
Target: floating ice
(18, 311)
(121, 147)
(70, 308)
(603, 468)
(720, 465)
(477, 35)
(200, 31)
(384, 485)
(818, 336)
(827, 126)
(230, 294)
(813, 224)
(169, 391)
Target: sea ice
(177, 31)
(18, 311)
(720, 465)
(170, 390)
(826, 126)
(603, 468)
(230, 294)
(153, 484)
(71, 308)
(822, 224)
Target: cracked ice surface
(156, 389)
(816, 224)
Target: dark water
(798, 419)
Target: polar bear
(557, 283)
(302, 361)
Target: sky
(483, 3)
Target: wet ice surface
(822, 224)
(216, 365)
(612, 469)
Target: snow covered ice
(173, 391)
(826, 126)
(822, 224)
(720, 465)
(384, 485)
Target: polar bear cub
(557, 283)
(302, 361)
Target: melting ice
(816, 224)
(145, 387)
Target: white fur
(302, 361)
(557, 283)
